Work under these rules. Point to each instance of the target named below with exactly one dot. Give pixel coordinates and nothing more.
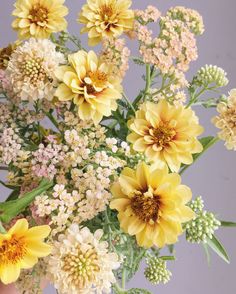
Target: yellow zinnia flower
(166, 133)
(39, 18)
(151, 204)
(20, 248)
(106, 19)
(89, 84)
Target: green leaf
(167, 257)
(227, 224)
(10, 209)
(137, 291)
(218, 248)
(206, 249)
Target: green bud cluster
(156, 271)
(203, 225)
(211, 74)
(197, 205)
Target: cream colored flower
(106, 19)
(226, 121)
(39, 18)
(151, 204)
(81, 264)
(31, 69)
(89, 84)
(166, 133)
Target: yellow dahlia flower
(20, 248)
(89, 84)
(39, 18)
(166, 133)
(106, 19)
(151, 204)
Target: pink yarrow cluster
(175, 47)
(46, 159)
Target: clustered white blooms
(10, 145)
(31, 69)
(80, 262)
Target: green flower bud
(156, 271)
(210, 74)
(197, 205)
(202, 227)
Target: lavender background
(213, 175)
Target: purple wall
(214, 174)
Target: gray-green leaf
(215, 245)
(10, 209)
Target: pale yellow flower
(39, 18)
(226, 121)
(166, 133)
(151, 204)
(106, 19)
(20, 248)
(88, 82)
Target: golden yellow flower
(106, 19)
(151, 204)
(39, 18)
(88, 82)
(20, 248)
(166, 133)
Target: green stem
(209, 145)
(129, 103)
(148, 79)
(195, 97)
(123, 281)
(118, 289)
(52, 119)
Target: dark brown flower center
(162, 135)
(38, 15)
(146, 206)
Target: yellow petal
(20, 227)
(37, 233)
(142, 174)
(28, 261)
(120, 204)
(64, 93)
(9, 273)
(38, 249)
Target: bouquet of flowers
(95, 176)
